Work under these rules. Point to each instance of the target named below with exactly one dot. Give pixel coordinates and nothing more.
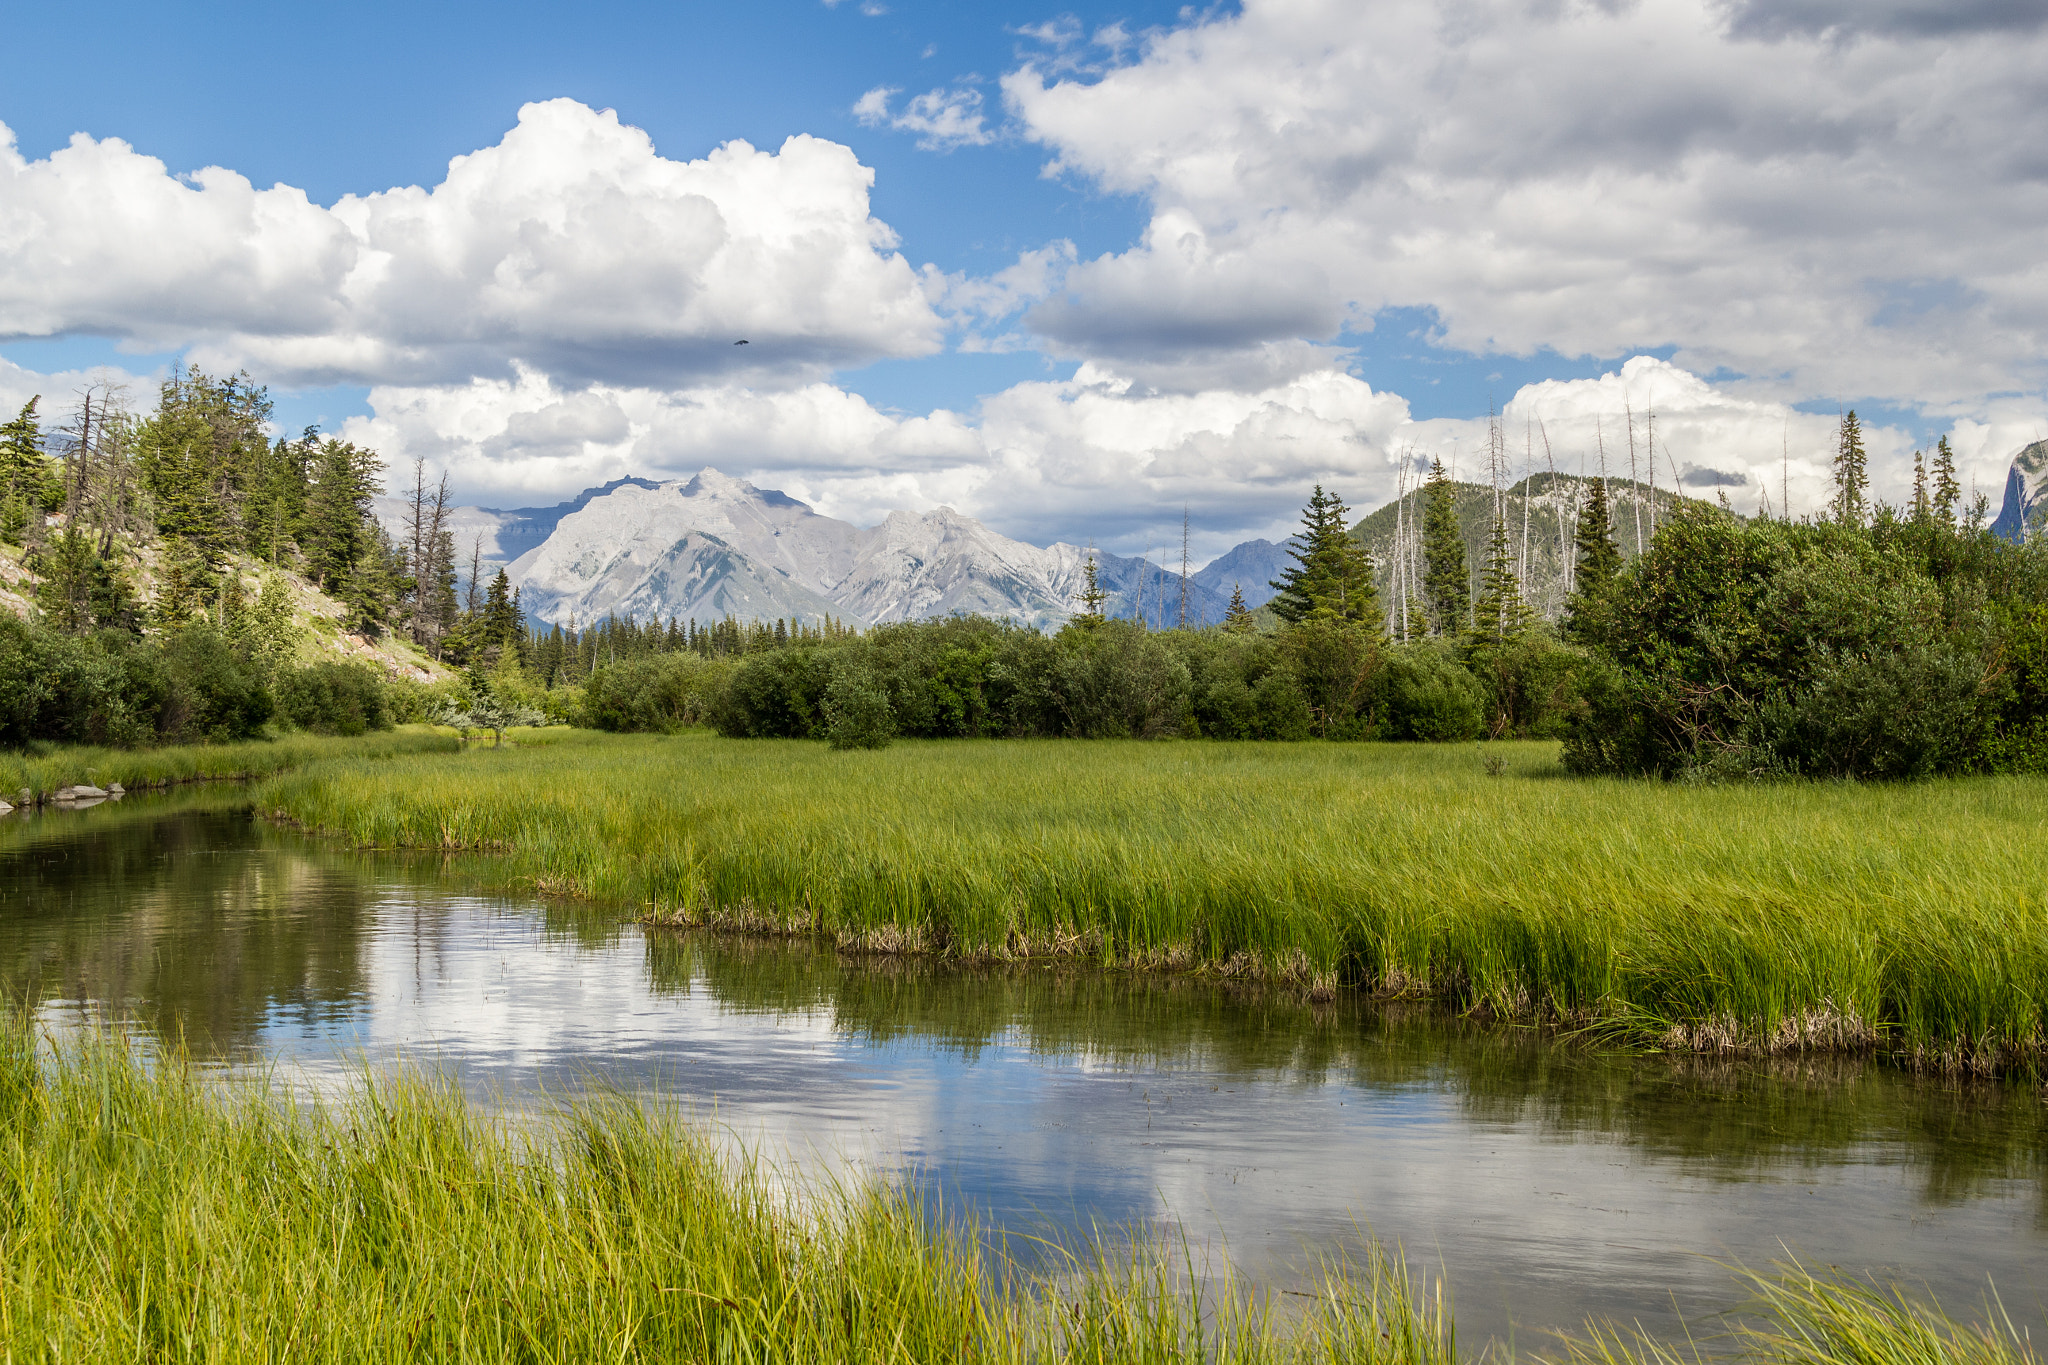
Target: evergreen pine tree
(1446, 589)
(1239, 619)
(1851, 477)
(1500, 615)
(269, 632)
(1092, 595)
(1599, 561)
(1947, 492)
(1923, 511)
(347, 552)
(502, 627)
(28, 481)
(80, 592)
(199, 456)
(1331, 576)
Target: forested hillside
(178, 572)
(1541, 514)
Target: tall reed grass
(50, 768)
(147, 1213)
(1793, 917)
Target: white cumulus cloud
(1848, 202)
(943, 119)
(571, 247)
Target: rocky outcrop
(2025, 509)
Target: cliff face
(2024, 510)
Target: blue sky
(1228, 214)
(354, 100)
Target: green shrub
(1426, 694)
(856, 709)
(1743, 649)
(1529, 684)
(773, 695)
(1117, 680)
(214, 693)
(1279, 710)
(106, 689)
(1334, 661)
(332, 699)
(408, 701)
(656, 694)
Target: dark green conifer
(1599, 561)
(80, 592)
(1092, 595)
(1239, 619)
(1923, 510)
(1947, 492)
(1331, 576)
(1446, 589)
(1852, 479)
(1501, 614)
(29, 485)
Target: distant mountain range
(713, 546)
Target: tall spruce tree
(1239, 620)
(1852, 478)
(1501, 614)
(1092, 595)
(346, 550)
(1923, 510)
(1599, 555)
(80, 592)
(28, 480)
(1331, 576)
(198, 457)
(1446, 588)
(1947, 492)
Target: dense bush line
(1736, 648)
(971, 677)
(193, 685)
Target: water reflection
(1550, 1182)
(180, 919)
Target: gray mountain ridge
(714, 546)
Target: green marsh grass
(149, 1211)
(46, 769)
(1911, 919)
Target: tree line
(1867, 641)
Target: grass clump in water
(1778, 918)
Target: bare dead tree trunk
(1183, 566)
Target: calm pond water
(1548, 1182)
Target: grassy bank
(1777, 918)
(147, 1215)
(49, 768)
